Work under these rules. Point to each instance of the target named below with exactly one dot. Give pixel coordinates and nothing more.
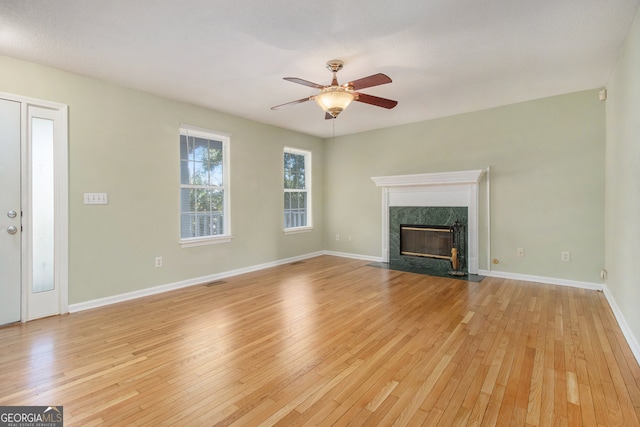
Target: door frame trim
(61, 197)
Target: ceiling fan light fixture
(334, 99)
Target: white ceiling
(444, 56)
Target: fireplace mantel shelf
(425, 179)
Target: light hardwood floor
(332, 341)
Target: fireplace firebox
(429, 241)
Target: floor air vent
(297, 262)
(217, 282)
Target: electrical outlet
(565, 256)
(520, 252)
(603, 274)
(158, 261)
(349, 237)
(337, 237)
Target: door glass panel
(42, 204)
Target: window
(297, 189)
(204, 187)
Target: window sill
(297, 230)
(205, 241)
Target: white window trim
(202, 241)
(296, 230)
(225, 138)
(308, 184)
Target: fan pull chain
(333, 123)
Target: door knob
(12, 230)
(12, 214)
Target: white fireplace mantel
(445, 189)
(429, 179)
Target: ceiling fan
(334, 98)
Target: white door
(33, 209)
(10, 212)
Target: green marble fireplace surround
(423, 215)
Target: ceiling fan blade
(303, 82)
(365, 82)
(292, 102)
(374, 100)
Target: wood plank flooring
(332, 341)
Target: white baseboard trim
(101, 302)
(542, 279)
(354, 256)
(622, 322)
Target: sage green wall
(125, 143)
(623, 180)
(547, 181)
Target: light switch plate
(96, 199)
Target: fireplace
(405, 198)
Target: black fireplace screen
(431, 241)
